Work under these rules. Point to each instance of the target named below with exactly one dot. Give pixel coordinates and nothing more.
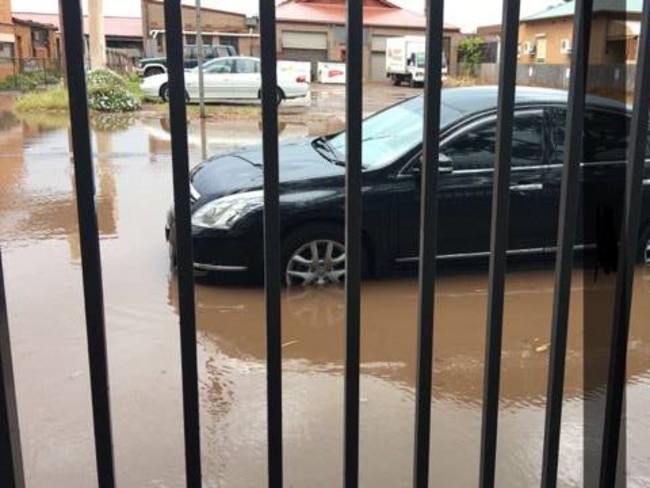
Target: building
(37, 46)
(545, 37)
(217, 27)
(123, 34)
(314, 30)
(7, 40)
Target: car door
(465, 191)
(218, 79)
(247, 80)
(602, 174)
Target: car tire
(279, 96)
(643, 252)
(164, 94)
(395, 80)
(315, 256)
(153, 71)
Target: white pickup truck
(405, 60)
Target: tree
(470, 53)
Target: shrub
(112, 99)
(102, 77)
(21, 82)
(108, 92)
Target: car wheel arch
(368, 246)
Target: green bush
(21, 82)
(102, 77)
(112, 99)
(108, 92)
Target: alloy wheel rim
(318, 263)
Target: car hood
(243, 170)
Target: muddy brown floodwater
(39, 238)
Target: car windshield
(393, 132)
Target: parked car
(158, 65)
(232, 78)
(227, 196)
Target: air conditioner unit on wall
(565, 46)
(529, 48)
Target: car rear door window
(247, 66)
(606, 136)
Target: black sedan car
(227, 195)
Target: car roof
(472, 99)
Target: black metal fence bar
(89, 239)
(428, 241)
(272, 253)
(567, 223)
(11, 463)
(354, 104)
(499, 241)
(180, 162)
(627, 256)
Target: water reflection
(313, 324)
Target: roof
(567, 9)
(483, 98)
(377, 13)
(31, 23)
(113, 26)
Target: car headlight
(225, 212)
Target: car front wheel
(315, 257)
(164, 94)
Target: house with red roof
(315, 30)
(123, 34)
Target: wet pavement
(39, 238)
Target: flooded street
(40, 248)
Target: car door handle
(527, 187)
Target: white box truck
(405, 60)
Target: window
(230, 41)
(6, 52)
(190, 39)
(475, 149)
(541, 50)
(248, 66)
(605, 139)
(221, 66)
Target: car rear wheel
(643, 254)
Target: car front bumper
(218, 250)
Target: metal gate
(11, 473)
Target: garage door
(377, 66)
(304, 40)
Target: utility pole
(96, 33)
(199, 56)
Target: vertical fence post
(499, 241)
(11, 463)
(567, 222)
(184, 253)
(354, 105)
(627, 256)
(89, 239)
(272, 255)
(428, 240)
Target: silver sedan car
(230, 78)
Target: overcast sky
(466, 14)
